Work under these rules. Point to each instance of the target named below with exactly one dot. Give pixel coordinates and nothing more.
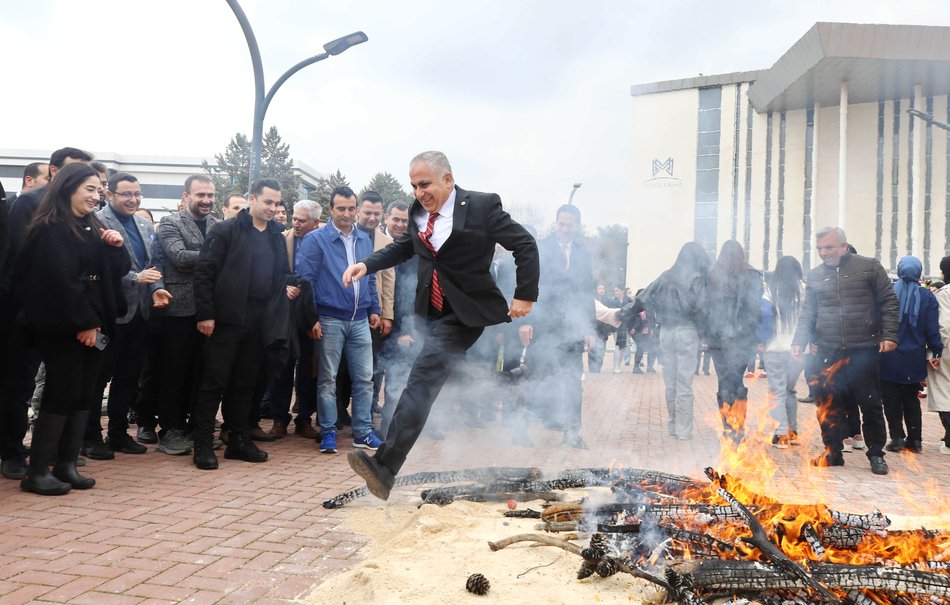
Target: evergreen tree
(325, 186)
(386, 185)
(232, 168)
(277, 163)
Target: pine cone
(591, 555)
(477, 584)
(607, 567)
(587, 570)
(599, 541)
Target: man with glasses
(142, 288)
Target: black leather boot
(240, 447)
(204, 457)
(46, 435)
(69, 445)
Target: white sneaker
(858, 442)
(846, 445)
(616, 370)
(944, 449)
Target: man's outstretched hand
(353, 273)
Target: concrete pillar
(917, 178)
(843, 155)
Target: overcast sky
(526, 98)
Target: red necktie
(436, 297)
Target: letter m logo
(666, 167)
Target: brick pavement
(157, 530)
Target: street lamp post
(570, 200)
(262, 101)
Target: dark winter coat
(733, 307)
(850, 306)
(66, 284)
(907, 364)
(223, 270)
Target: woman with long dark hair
(781, 308)
(734, 308)
(678, 298)
(67, 283)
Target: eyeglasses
(128, 195)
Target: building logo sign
(662, 175)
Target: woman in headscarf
(904, 368)
(678, 298)
(733, 311)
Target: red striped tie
(436, 297)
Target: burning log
(760, 540)
(750, 577)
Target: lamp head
(335, 47)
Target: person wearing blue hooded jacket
(904, 368)
(345, 317)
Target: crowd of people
(868, 346)
(366, 315)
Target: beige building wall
(662, 215)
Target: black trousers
(19, 361)
(902, 406)
(945, 421)
(233, 361)
(180, 371)
(850, 377)
(446, 341)
(731, 360)
(72, 375)
(305, 378)
(146, 404)
(122, 365)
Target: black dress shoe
(240, 447)
(97, 450)
(13, 468)
(378, 479)
(895, 445)
(125, 444)
(204, 457)
(878, 466)
(913, 445)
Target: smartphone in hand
(102, 341)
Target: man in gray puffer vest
(851, 315)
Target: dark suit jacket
(181, 242)
(138, 297)
(464, 260)
(566, 306)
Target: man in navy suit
(453, 233)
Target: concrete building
(162, 177)
(823, 137)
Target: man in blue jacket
(345, 318)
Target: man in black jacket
(850, 314)
(453, 234)
(241, 271)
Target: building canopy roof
(879, 62)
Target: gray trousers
(783, 371)
(679, 344)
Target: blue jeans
(350, 338)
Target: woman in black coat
(734, 307)
(67, 283)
